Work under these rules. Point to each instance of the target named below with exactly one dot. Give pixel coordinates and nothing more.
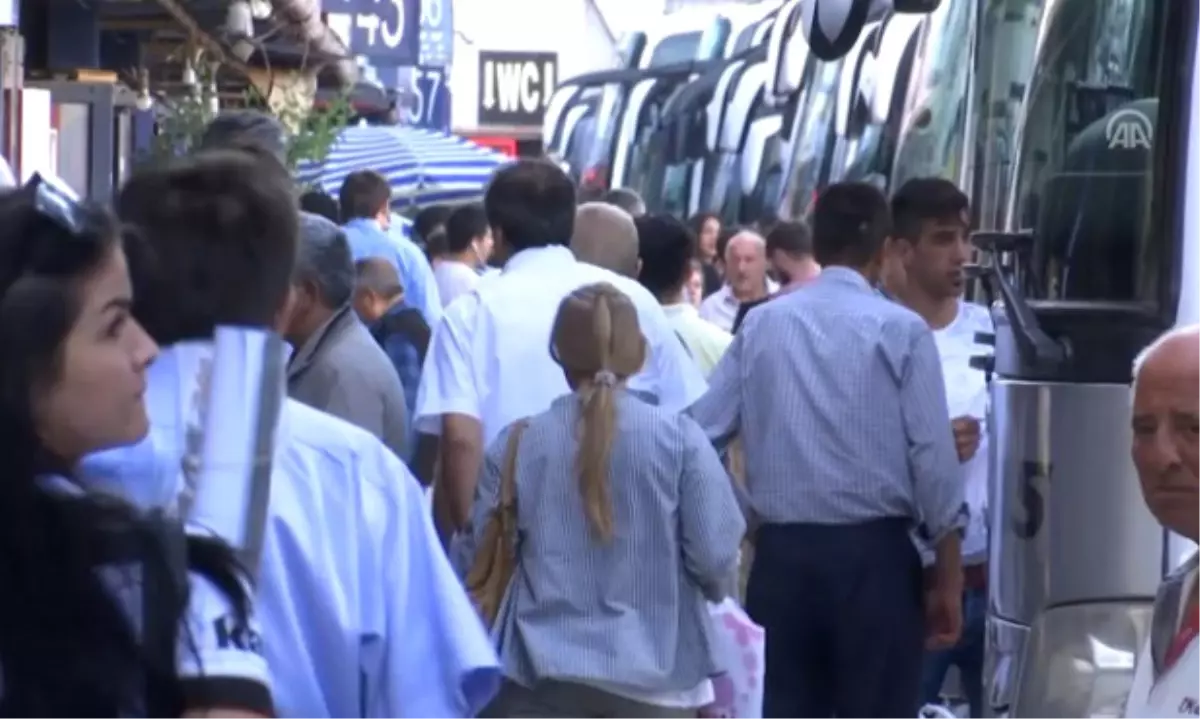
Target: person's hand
(943, 616)
(966, 437)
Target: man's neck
(464, 258)
(938, 312)
(317, 318)
(672, 297)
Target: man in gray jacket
(337, 366)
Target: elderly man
(746, 280)
(605, 236)
(338, 367)
(1166, 414)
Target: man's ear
(639, 268)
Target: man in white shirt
(745, 280)
(468, 247)
(489, 362)
(930, 250)
(361, 613)
(1165, 450)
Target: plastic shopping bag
(740, 647)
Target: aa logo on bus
(1129, 129)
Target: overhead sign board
(384, 31)
(515, 87)
(436, 33)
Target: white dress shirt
(454, 279)
(490, 356)
(1168, 691)
(721, 307)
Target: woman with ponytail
(80, 635)
(625, 523)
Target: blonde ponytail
(599, 344)
(597, 426)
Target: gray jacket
(343, 371)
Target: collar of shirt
(729, 300)
(307, 352)
(363, 223)
(536, 258)
(846, 276)
(681, 309)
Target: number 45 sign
(383, 31)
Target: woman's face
(96, 400)
(709, 232)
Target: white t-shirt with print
(967, 395)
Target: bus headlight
(1080, 659)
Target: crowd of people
(528, 443)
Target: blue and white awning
(424, 167)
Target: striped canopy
(424, 167)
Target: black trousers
(842, 609)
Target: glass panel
(1086, 165)
(814, 133)
(675, 48)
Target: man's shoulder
(333, 449)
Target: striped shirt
(839, 398)
(628, 616)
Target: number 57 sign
(380, 30)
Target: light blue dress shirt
(368, 239)
(362, 614)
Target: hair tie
(605, 378)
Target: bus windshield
(1089, 174)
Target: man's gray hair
(324, 259)
(606, 236)
(247, 130)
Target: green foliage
(314, 130)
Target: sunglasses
(55, 201)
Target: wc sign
(515, 87)
(1129, 129)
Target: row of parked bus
(1074, 126)
(728, 111)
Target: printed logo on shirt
(235, 634)
(1189, 706)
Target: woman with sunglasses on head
(77, 632)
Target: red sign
(506, 145)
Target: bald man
(605, 236)
(745, 280)
(1166, 415)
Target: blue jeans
(967, 655)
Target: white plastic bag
(740, 653)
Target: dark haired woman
(707, 228)
(80, 634)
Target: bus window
(814, 137)
(1086, 162)
(674, 49)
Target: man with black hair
(365, 200)
(337, 366)
(489, 363)
(626, 199)
(349, 565)
(931, 249)
(667, 249)
(838, 397)
(319, 202)
(468, 247)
